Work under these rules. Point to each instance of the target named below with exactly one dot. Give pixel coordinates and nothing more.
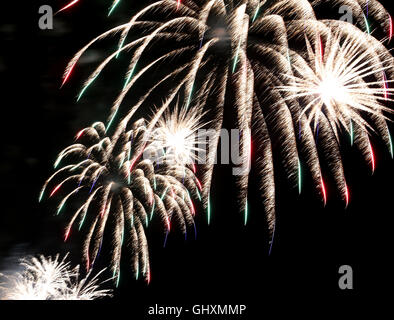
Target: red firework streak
(149, 277)
(67, 76)
(79, 134)
(66, 236)
(372, 157)
(347, 196)
(55, 190)
(321, 47)
(199, 184)
(72, 3)
(324, 192)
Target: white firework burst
(238, 56)
(342, 82)
(180, 136)
(47, 278)
(124, 189)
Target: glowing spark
(189, 98)
(65, 200)
(323, 189)
(148, 278)
(129, 76)
(198, 194)
(256, 13)
(41, 195)
(164, 193)
(153, 211)
(209, 211)
(68, 6)
(237, 55)
(321, 47)
(47, 278)
(351, 133)
(168, 225)
(79, 134)
(372, 157)
(114, 5)
(55, 190)
(347, 196)
(112, 119)
(246, 213)
(299, 177)
(193, 208)
(86, 87)
(117, 281)
(391, 144)
(199, 184)
(67, 75)
(132, 165)
(122, 160)
(177, 134)
(67, 234)
(58, 160)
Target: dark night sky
(39, 119)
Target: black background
(229, 263)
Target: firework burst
(123, 184)
(341, 85)
(52, 279)
(243, 57)
(179, 135)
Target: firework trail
(124, 183)
(51, 279)
(279, 63)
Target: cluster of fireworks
(51, 279)
(120, 186)
(291, 83)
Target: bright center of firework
(176, 142)
(331, 90)
(177, 137)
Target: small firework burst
(118, 183)
(47, 278)
(341, 81)
(178, 134)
